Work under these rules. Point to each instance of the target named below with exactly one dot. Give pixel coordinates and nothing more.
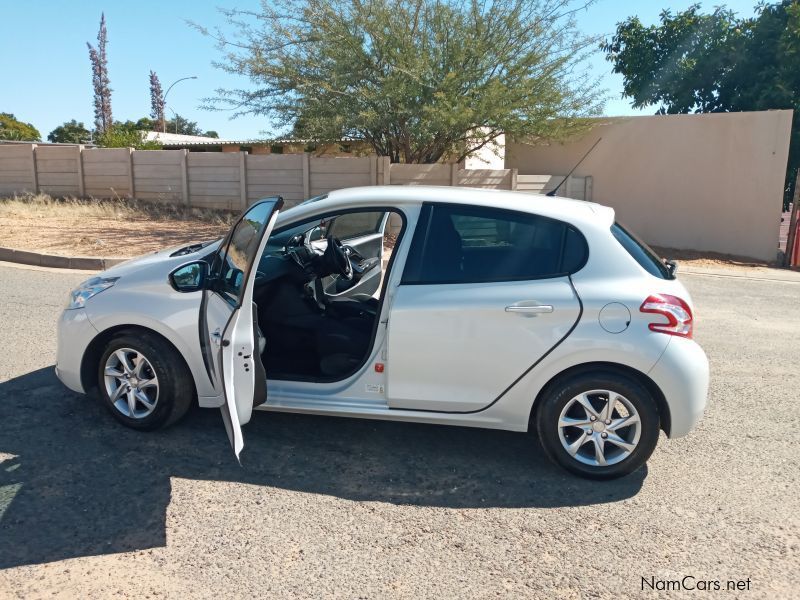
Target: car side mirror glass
(190, 277)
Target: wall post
(243, 178)
(34, 172)
(184, 167)
(453, 174)
(81, 184)
(387, 170)
(306, 176)
(131, 187)
(373, 170)
(514, 174)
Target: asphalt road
(348, 508)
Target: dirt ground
(710, 259)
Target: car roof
(399, 195)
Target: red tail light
(674, 310)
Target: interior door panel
(369, 246)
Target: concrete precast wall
(219, 180)
(710, 182)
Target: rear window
(641, 252)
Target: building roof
(178, 139)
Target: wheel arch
(606, 367)
(95, 350)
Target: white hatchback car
(435, 305)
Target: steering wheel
(335, 252)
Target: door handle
(536, 309)
(216, 336)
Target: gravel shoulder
(327, 507)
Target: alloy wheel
(131, 383)
(599, 428)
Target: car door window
(357, 224)
(466, 244)
(242, 244)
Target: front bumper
(682, 375)
(75, 333)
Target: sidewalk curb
(85, 263)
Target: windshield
(304, 203)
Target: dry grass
(91, 227)
(42, 205)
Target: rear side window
(469, 244)
(641, 252)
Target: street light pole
(163, 121)
(176, 119)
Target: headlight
(89, 288)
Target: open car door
(228, 322)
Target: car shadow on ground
(74, 483)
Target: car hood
(162, 261)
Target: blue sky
(47, 79)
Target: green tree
(694, 62)
(419, 80)
(131, 133)
(13, 129)
(183, 126)
(125, 134)
(71, 132)
(147, 124)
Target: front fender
(175, 317)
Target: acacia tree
(156, 99)
(100, 81)
(714, 62)
(419, 80)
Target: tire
(597, 454)
(172, 394)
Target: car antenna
(552, 192)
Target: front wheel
(599, 426)
(144, 382)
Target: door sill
(326, 405)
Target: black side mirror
(190, 277)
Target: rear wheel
(599, 425)
(144, 382)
